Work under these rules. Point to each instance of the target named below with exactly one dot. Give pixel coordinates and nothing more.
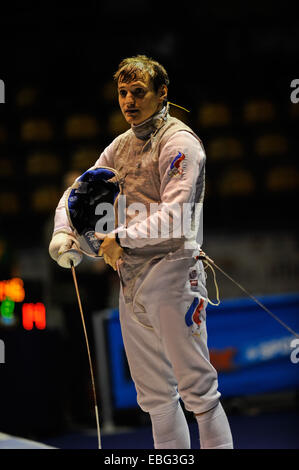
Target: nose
(130, 99)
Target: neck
(146, 128)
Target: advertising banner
(251, 351)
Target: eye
(139, 91)
(122, 93)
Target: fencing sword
(88, 352)
(203, 256)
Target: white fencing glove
(64, 248)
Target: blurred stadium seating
(270, 145)
(9, 203)
(6, 168)
(116, 123)
(80, 126)
(236, 182)
(40, 163)
(259, 111)
(283, 178)
(51, 143)
(26, 97)
(45, 198)
(214, 115)
(225, 148)
(36, 130)
(84, 157)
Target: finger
(65, 247)
(100, 235)
(112, 264)
(74, 246)
(109, 261)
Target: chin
(134, 121)
(131, 119)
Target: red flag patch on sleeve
(176, 165)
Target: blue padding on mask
(93, 188)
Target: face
(138, 100)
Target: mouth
(131, 112)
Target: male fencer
(163, 296)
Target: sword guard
(68, 257)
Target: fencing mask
(90, 206)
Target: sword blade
(287, 327)
(89, 355)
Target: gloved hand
(64, 248)
(109, 249)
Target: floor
(271, 430)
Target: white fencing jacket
(161, 164)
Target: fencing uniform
(163, 297)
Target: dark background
(230, 63)
(56, 61)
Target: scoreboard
(12, 294)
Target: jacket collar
(144, 130)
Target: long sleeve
(181, 162)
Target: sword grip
(69, 258)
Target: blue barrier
(123, 389)
(250, 350)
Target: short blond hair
(139, 66)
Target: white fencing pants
(164, 332)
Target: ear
(163, 93)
